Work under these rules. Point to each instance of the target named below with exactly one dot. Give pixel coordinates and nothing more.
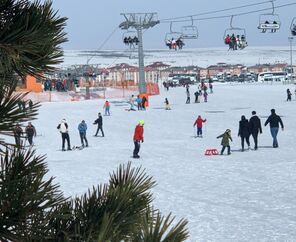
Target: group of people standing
(246, 129)
(82, 128)
(253, 128)
(139, 102)
(29, 132)
(201, 92)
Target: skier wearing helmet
(138, 137)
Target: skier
(139, 102)
(244, 132)
(30, 104)
(226, 136)
(30, 132)
(211, 87)
(138, 137)
(107, 108)
(132, 104)
(167, 104)
(198, 122)
(17, 131)
(99, 122)
(188, 96)
(82, 127)
(274, 120)
(289, 95)
(205, 96)
(144, 100)
(63, 128)
(196, 94)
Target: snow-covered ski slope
(247, 196)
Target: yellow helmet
(142, 122)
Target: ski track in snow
(247, 196)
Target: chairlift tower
(139, 22)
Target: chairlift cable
(102, 45)
(215, 11)
(228, 16)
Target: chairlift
(133, 54)
(130, 38)
(172, 37)
(189, 31)
(293, 27)
(238, 34)
(269, 21)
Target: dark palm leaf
(156, 228)
(10, 113)
(25, 197)
(30, 40)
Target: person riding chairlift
(173, 44)
(274, 30)
(227, 39)
(180, 43)
(168, 43)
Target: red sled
(212, 152)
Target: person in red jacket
(198, 122)
(138, 137)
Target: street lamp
(291, 51)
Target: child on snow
(107, 108)
(226, 136)
(198, 122)
(167, 104)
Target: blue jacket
(82, 127)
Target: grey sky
(91, 21)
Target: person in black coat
(255, 128)
(274, 120)
(244, 132)
(99, 122)
(289, 95)
(30, 132)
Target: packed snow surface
(246, 196)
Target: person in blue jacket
(82, 127)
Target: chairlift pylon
(189, 31)
(269, 21)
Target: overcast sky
(90, 22)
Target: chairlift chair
(269, 21)
(189, 31)
(129, 34)
(236, 31)
(172, 35)
(293, 27)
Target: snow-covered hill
(202, 57)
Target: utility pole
(139, 22)
(291, 50)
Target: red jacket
(139, 130)
(199, 122)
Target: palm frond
(25, 196)
(30, 41)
